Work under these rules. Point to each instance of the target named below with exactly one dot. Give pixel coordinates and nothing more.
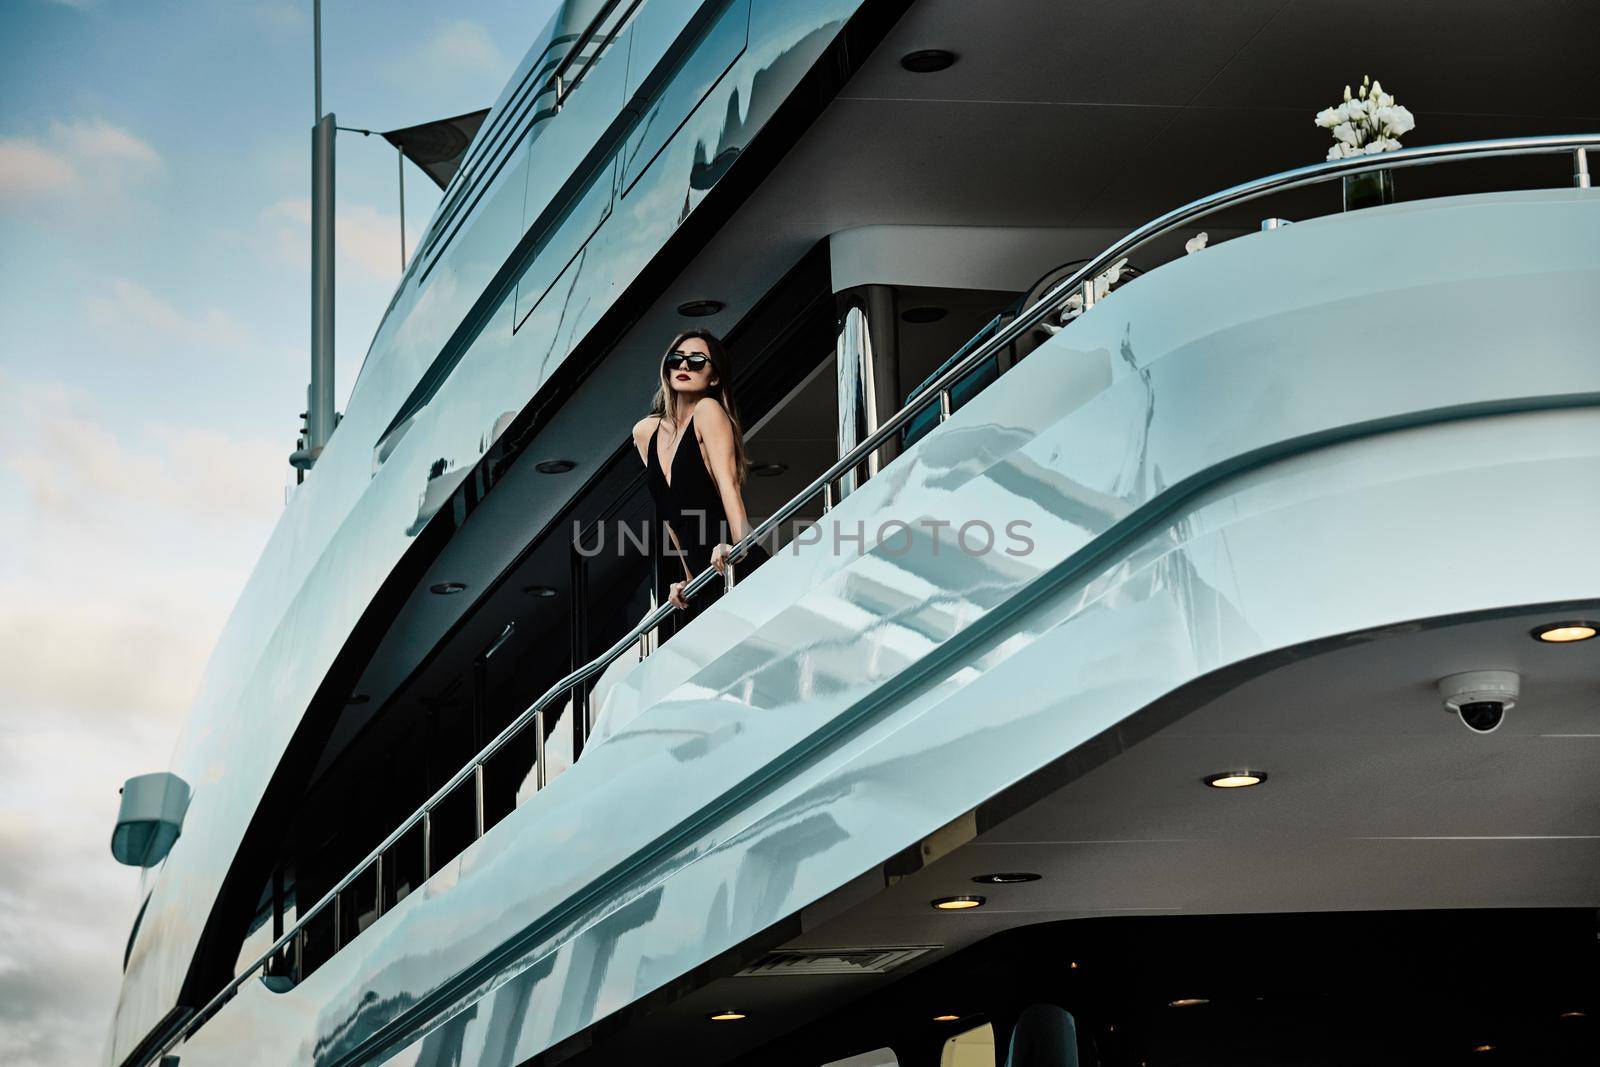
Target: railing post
(1088, 293)
(827, 497)
(727, 577)
(477, 799)
(648, 639)
(338, 921)
(427, 845)
(538, 750)
(1580, 168)
(378, 911)
(299, 955)
(944, 404)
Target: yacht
(1176, 641)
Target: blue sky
(154, 209)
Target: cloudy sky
(154, 168)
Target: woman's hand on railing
(720, 557)
(675, 595)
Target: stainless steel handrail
(938, 389)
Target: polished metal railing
(988, 343)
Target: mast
(320, 416)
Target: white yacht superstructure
(1173, 650)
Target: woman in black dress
(693, 448)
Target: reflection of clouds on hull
(711, 163)
(706, 174)
(444, 1044)
(441, 483)
(370, 1015)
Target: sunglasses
(695, 361)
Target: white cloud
(57, 442)
(123, 549)
(363, 237)
(459, 47)
(85, 162)
(98, 141)
(129, 313)
(28, 169)
(456, 53)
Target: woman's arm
(715, 430)
(641, 437)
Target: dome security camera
(1481, 698)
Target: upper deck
(481, 360)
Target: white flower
(1109, 277)
(1395, 120)
(1365, 123)
(1195, 243)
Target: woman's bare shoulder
(709, 412)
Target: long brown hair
(721, 368)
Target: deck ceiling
(1107, 115)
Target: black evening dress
(689, 504)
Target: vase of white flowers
(1366, 123)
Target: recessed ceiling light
(447, 588)
(768, 470)
(1565, 633)
(1006, 878)
(921, 315)
(541, 591)
(1483, 1048)
(729, 1016)
(1573, 1014)
(699, 309)
(946, 1018)
(1235, 779)
(1188, 1002)
(958, 903)
(554, 466)
(927, 60)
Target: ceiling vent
(812, 961)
